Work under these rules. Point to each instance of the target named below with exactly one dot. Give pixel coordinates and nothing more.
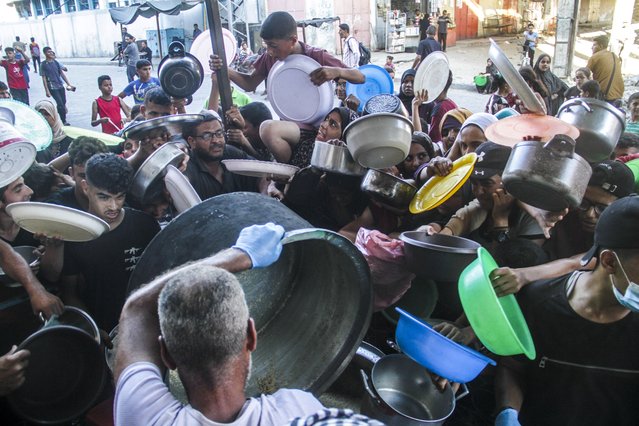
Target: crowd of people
(574, 272)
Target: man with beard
(205, 170)
(96, 273)
(213, 366)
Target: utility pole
(567, 22)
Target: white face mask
(629, 300)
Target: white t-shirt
(142, 398)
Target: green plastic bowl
(497, 321)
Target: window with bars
(71, 6)
(37, 6)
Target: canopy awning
(149, 9)
(316, 22)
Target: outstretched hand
(262, 243)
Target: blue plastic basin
(437, 353)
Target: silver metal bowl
(388, 189)
(335, 159)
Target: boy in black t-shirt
(106, 263)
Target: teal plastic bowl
(497, 321)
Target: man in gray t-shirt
(132, 56)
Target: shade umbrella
(148, 9)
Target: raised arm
(139, 328)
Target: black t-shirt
(65, 197)
(568, 238)
(208, 186)
(427, 46)
(23, 238)
(585, 373)
(107, 263)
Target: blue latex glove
(262, 243)
(507, 417)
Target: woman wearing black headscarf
(290, 144)
(554, 85)
(406, 95)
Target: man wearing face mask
(584, 326)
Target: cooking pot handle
(370, 356)
(561, 145)
(579, 102)
(464, 392)
(368, 388)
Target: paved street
(467, 59)
(83, 73)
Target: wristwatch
(502, 236)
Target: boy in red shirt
(108, 107)
(15, 75)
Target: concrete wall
(356, 13)
(89, 33)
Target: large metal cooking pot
(599, 123)
(311, 308)
(335, 159)
(438, 257)
(401, 392)
(179, 72)
(66, 371)
(388, 189)
(551, 176)
(379, 140)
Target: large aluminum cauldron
(311, 308)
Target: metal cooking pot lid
(15, 159)
(173, 123)
(30, 123)
(64, 377)
(383, 103)
(432, 75)
(202, 48)
(514, 79)
(289, 82)
(513, 130)
(438, 189)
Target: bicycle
(524, 57)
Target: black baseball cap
(613, 177)
(491, 160)
(617, 228)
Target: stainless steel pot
(401, 392)
(599, 123)
(335, 159)
(388, 189)
(66, 371)
(317, 295)
(179, 72)
(153, 169)
(551, 176)
(438, 257)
